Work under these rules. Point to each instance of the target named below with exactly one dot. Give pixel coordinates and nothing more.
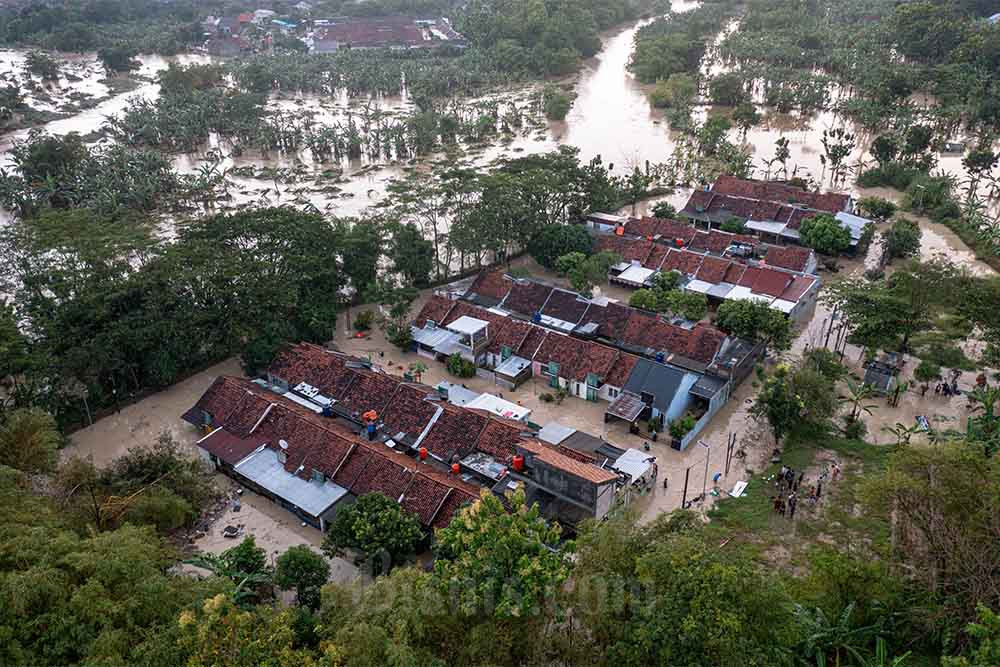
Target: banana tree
(858, 394)
(828, 641)
(902, 432)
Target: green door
(591, 387)
(553, 375)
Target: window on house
(317, 476)
(552, 369)
(612, 392)
(505, 353)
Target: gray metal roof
(660, 380)
(554, 433)
(432, 337)
(264, 469)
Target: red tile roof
(369, 391)
(436, 308)
(510, 333)
(684, 261)
(220, 401)
(734, 273)
(795, 258)
(424, 497)
(656, 256)
(314, 365)
(713, 269)
(408, 411)
(610, 318)
(491, 284)
(526, 297)
(627, 248)
(230, 448)
(699, 201)
(498, 438)
(716, 241)
(566, 306)
(771, 282)
(454, 433)
(371, 32)
(535, 337)
(621, 369)
(577, 358)
(699, 344)
(667, 230)
(560, 461)
(749, 276)
(800, 285)
(704, 343)
(452, 504)
(780, 192)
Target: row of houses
(321, 429)
(593, 349)
(384, 32)
(772, 210)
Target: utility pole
(708, 453)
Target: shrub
(460, 367)
(546, 397)
(664, 209)
(682, 426)
(364, 320)
(878, 208)
(824, 234)
(555, 103)
(903, 239)
(734, 225)
(927, 371)
(377, 526)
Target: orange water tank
(619, 231)
(518, 463)
(679, 242)
(423, 453)
(455, 469)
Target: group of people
(946, 388)
(789, 484)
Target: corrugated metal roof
(265, 470)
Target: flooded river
(611, 117)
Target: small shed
(880, 376)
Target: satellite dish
(283, 444)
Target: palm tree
(859, 393)
(247, 584)
(902, 432)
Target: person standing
(791, 506)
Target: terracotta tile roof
(704, 343)
(454, 433)
(566, 306)
(780, 192)
(230, 448)
(656, 256)
(424, 497)
(452, 504)
(510, 333)
(491, 284)
(734, 273)
(713, 269)
(384, 475)
(371, 32)
(698, 202)
(797, 215)
(684, 261)
(621, 369)
(560, 461)
(649, 331)
(628, 249)
(369, 391)
(221, 400)
(315, 365)
(795, 258)
(667, 230)
(582, 457)
(353, 467)
(800, 285)
(526, 297)
(610, 318)
(716, 241)
(534, 339)
(499, 437)
(577, 358)
(408, 411)
(771, 282)
(436, 308)
(749, 276)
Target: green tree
(986, 636)
(878, 208)
(555, 103)
(412, 255)
(377, 527)
(903, 238)
(664, 209)
(778, 404)
(41, 64)
(303, 570)
(513, 557)
(755, 321)
(727, 89)
(825, 234)
(245, 565)
(118, 59)
(29, 441)
(553, 241)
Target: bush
(927, 371)
(664, 209)
(682, 426)
(364, 320)
(727, 89)
(378, 527)
(460, 367)
(824, 234)
(903, 239)
(546, 397)
(854, 429)
(734, 225)
(878, 208)
(556, 103)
